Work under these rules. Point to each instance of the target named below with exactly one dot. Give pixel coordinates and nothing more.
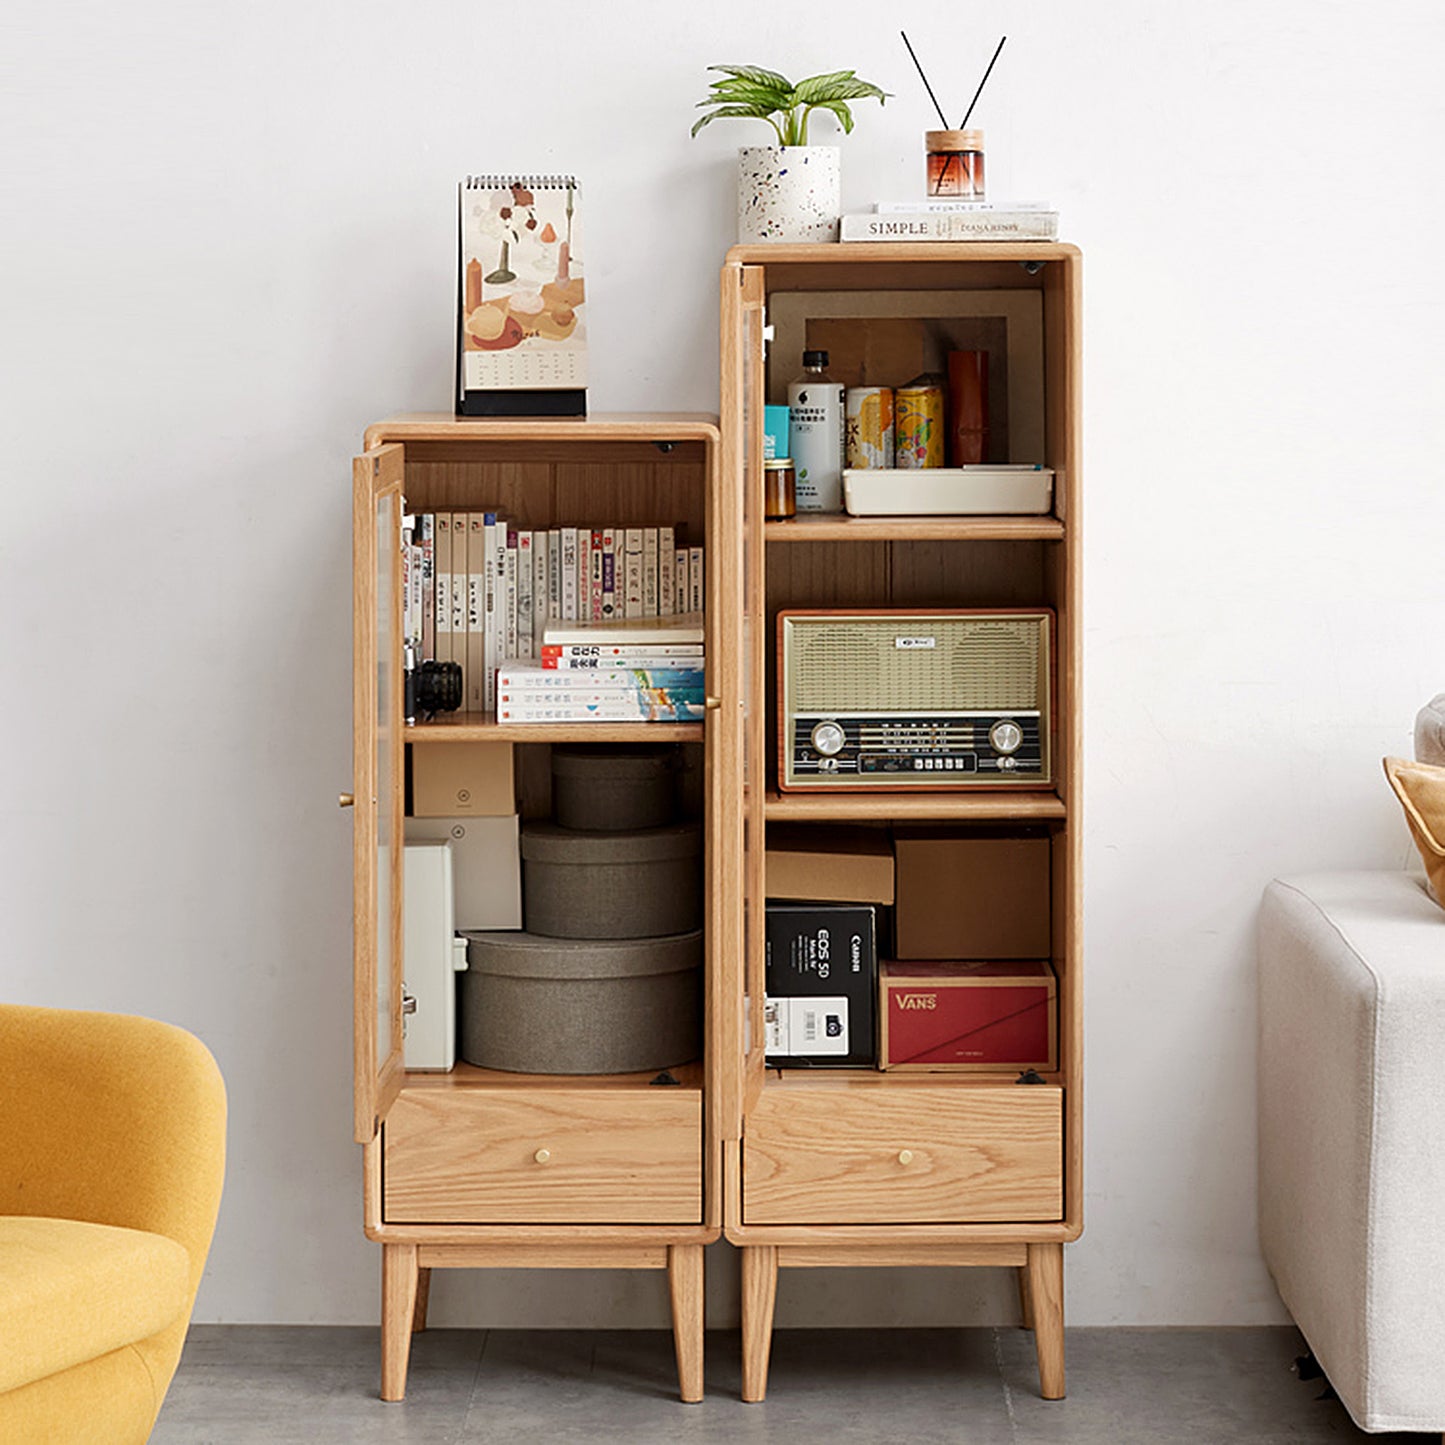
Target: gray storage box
(642, 884)
(535, 1005)
(607, 789)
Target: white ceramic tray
(948, 491)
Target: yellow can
(868, 427)
(919, 427)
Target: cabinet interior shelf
(837, 527)
(471, 1077)
(962, 807)
(478, 728)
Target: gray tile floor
(275, 1385)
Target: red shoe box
(968, 1016)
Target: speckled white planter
(788, 193)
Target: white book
(942, 203)
(609, 573)
(594, 577)
(591, 659)
(649, 573)
(534, 677)
(584, 574)
(497, 634)
(680, 581)
(443, 576)
(631, 632)
(950, 226)
(569, 574)
(407, 524)
(526, 619)
(632, 573)
(554, 574)
(541, 589)
(426, 541)
(460, 587)
(666, 571)
(509, 596)
(695, 591)
(619, 709)
(480, 532)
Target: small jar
(955, 163)
(779, 490)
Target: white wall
(230, 248)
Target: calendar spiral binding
(532, 183)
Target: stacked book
(479, 590)
(944, 220)
(629, 671)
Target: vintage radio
(880, 699)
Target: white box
(948, 491)
(430, 957)
(486, 867)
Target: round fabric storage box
(641, 884)
(535, 1005)
(607, 789)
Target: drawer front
(543, 1156)
(904, 1155)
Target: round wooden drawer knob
(905, 1156)
(542, 1155)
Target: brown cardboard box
(830, 865)
(462, 780)
(978, 895)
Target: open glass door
(377, 763)
(742, 487)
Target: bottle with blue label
(815, 423)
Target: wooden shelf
(479, 728)
(835, 527)
(470, 1076)
(953, 807)
(827, 1078)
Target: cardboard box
(843, 865)
(966, 1017)
(462, 780)
(977, 895)
(486, 867)
(821, 985)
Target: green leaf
(843, 86)
(747, 93)
(840, 110)
(821, 87)
(756, 74)
(746, 112)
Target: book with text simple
(950, 226)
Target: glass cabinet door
(377, 761)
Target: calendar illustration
(521, 335)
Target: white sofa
(1352, 1128)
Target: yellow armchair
(112, 1153)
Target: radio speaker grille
(839, 664)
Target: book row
(479, 591)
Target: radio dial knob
(1006, 736)
(828, 739)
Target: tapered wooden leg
(1046, 1302)
(760, 1293)
(398, 1310)
(684, 1278)
(1026, 1312)
(423, 1298)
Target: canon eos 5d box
(821, 985)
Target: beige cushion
(72, 1291)
(1430, 732)
(1421, 791)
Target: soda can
(868, 428)
(919, 427)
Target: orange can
(918, 427)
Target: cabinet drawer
(543, 1156)
(896, 1153)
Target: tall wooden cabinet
(477, 1168)
(841, 1167)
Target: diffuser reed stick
(963, 124)
(942, 120)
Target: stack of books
(944, 220)
(629, 671)
(479, 590)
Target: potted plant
(789, 191)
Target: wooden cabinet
(836, 1168)
(475, 1168)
